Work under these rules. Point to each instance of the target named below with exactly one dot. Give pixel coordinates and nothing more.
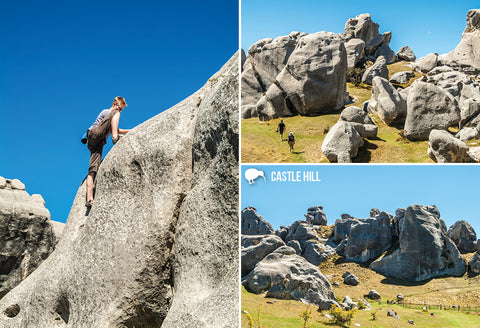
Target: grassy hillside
(448, 291)
(260, 142)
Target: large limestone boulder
(26, 233)
(445, 148)
(301, 231)
(405, 53)
(463, 235)
(361, 27)
(343, 227)
(387, 102)
(355, 49)
(424, 250)
(369, 238)
(255, 248)
(426, 64)
(379, 68)
(468, 133)
(385, 51)
(466, 56)
(429, 107)
(474, 264)
(360, 121)
(166, 210)
(314, 78)
(402, 77)
(290, 277)
(316, 253)
(254, 224)
(316, 216)
(273, 104)
(342, 142)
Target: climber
(105, 125)
(281, 128)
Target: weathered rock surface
(351, 280)
(369, 238)
(316, 216)
(115, 266)
(379, 68)
(385, 51)
(301, 230)
(463, 235)
(361, 27)
(474, 263)
(429, 107)
(405, 53)
(424, 249)
(402, 77)
(347, 304)
(374, 295)
(445, 148)
(343, 227)
(354, 114)
(426, 64)
(468, 133)
(255, 248)
(314, 78)
(26, 233)
(273, 104)
(290, 277)
(386, 102)
(254, 224)
(355, 49)
(316, 253)
(341, 143)
(466, 56)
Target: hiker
(105, 125)
(291, 141)
(281, 128)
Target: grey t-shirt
(99, 119)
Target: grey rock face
(351, 280)
(377, 69)
(369, 238)
(392, 313)
(290, 277)
(254, 224)
(361, 27)
(466, 56)
(474, 263)
(255, 248)
(445, 148)
(426, 64)
(154, 190)
(402, 77)
(273, 104)
(400, 297)
(314, 78)
(386, 102)
(316, 253)
(341, 143)
(374, 295)
(429, 107)
(463, 235)
(348, 304)
(405, 53)
(385, 51)
(355, 49)
(343, 227)
(296, 246)
(354, 114)
(26, 233)
(301, 230)
(424, 249)
(316, 216)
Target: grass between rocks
(261, 144)
(463, 291)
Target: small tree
(306, 316)
(339, 317)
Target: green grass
(286, 314)
(261, 144)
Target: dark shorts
(97, 138)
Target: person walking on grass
(280, 129)
(291, 141)
(105, 125)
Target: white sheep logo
(252, 174)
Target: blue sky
(62, 62)
(355, 189)
(425, 26)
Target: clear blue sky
(62, 62)
(355, 189)
(425, 26)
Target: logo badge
(252, 174)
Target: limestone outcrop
(424, 249)
(387, 102)
(463, 235)
(27, 236)
(445, 148)
(160, 245)
(341, 143)
(254, 224)
(255, 248)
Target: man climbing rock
(105, 125)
